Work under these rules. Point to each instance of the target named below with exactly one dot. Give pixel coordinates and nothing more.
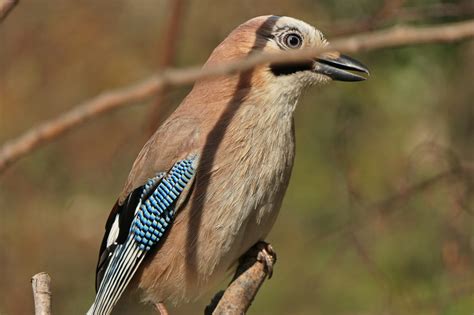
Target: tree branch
(41, 284)
(108, 101)
(6, 6)
(235, 300)
(52, 129)
(249, 277)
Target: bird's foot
(267, 256)
(161, 308)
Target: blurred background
(378, 218)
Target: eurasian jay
(209, 183)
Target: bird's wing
(177, 138)
(136, 226)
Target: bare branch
(239, 295)
(106, 102)
(237, 298)
(406, 35)
(41, 283)
(51, 129)
(6, 6)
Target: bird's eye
(293, 40)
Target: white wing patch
(153, 216)
(114, 231)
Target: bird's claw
(267, 256)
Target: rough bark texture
(239, 295)
(252, 271)
(41, 284)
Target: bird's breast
(245, 176)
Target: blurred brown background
(367, 227)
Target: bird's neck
(232, 94)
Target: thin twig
(51, 129)
(6, 6)
(41, 284)
(106, 102)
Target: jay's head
(272, 34)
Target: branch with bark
(106, 102)
(41, 285)
(254, 267)
(235, 300)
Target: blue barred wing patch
(153, 216)
(157, 211)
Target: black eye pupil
(293, 41)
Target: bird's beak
(338, 67)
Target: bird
(209, 183)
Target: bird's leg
(161, 308)
(267, 256)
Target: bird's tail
(124, 263)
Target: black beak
(340, 68)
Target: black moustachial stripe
(289, 68)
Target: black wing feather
(126, 213)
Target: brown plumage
(241, 129)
